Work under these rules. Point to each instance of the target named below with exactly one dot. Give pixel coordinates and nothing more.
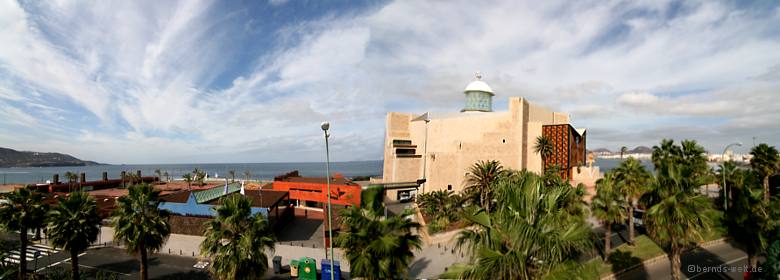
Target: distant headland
(14, 158)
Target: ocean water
(607, 164)
(262, 171)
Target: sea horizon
(258, 171)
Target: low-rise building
(273, 205)
(312, 191)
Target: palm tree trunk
(631, 223)
(676, 263)
(144, 273)
(23, 253)
(607, 240)
(766, 188)
(74, 263)
(483, 198)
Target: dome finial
(479, 75)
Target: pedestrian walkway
(34, 252)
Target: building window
(449, 187)
(503, 140)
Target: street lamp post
(723, 171)
(325, 126)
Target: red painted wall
(340, 194)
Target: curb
(613, 276)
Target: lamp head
(325, 126)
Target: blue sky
(250, 81)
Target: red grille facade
(569, 149)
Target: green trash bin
(307, 269)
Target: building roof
(294, 176)
(319, 180)
(259, 198)
(177, 197)
(215, 192)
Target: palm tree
(21, 211)
(140, 224)
(676, 211)
(667, 150)
(623, 151)
(441, 207)
(232, 175)
(479, 182)
(608, 206)
(633, 178)
(159, 174)
(748, 220)
(187, 178)
(74, 224)
(237, 241)
(167, 176)
(377, 247)
(530, 233)
(765, 161)
(72, 178)
(198, 176)
(247, 175)
(544, 147)
(432, 202)
(134, 178)
(695, 158)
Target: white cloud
(145, 70)
(638, 99)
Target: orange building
(311, 191)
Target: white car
(405, 197)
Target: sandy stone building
(440, 147)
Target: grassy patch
(625, 256)
(718, 229)
(454, 271)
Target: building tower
(479, 96)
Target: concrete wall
(396, 127)
(534, 159)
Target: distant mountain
(14, 158)
(641, 150)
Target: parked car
(638, 218)
(405, 197)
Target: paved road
(125, 266)
(45, 259)
(727, 256)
